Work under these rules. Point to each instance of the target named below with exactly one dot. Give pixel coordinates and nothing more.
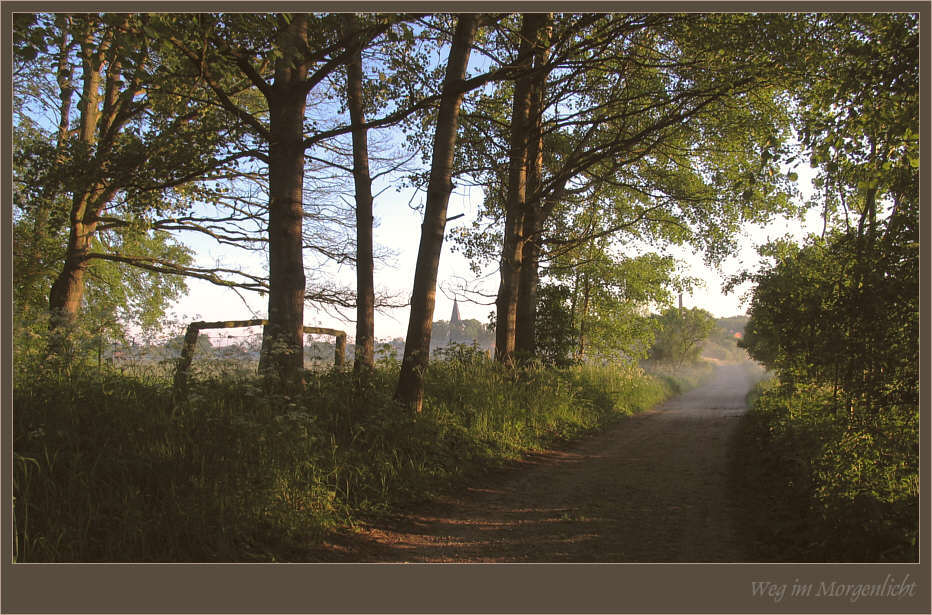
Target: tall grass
(107, 469)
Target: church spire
(455, 316)
(454, 321)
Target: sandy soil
(651, 489)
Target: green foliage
(828, 315)
(680, 334)
(820, 489)
(860, 118)
(615, 296)
(600, 297)
(838, 316)
(842, 310)
(117, 296)
(838, 439)
(557, 333)
(106, 469)
(142, 160)
(668, 128)
(133, 295)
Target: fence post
(180, 384)
(339, 352)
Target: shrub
(820, 488)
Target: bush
(822, 489)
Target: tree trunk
(282, 355)
(526, 316)
(40, 229)
(410, 390)
(63, 75)
(513, 240)
(581, 351)
(574, 298)
(68, 288)
(365, 283)
(526, 312)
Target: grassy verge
(105, 469)
(820, 487)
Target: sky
(398, 230)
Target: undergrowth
(107, 469)
(822, 485)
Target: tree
(228, 51)
(596, 303)
(286, 95)
(837, 314)
(859, 119)
(515, 204)
(410, 389)
(529, 279)
(811, 318)
(842, 309)
(124, 157)
(557, 334)
(667, 149)
(281, 58)
(680, 334)
(365, 282)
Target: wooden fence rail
(180, 383)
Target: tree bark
(68, 288)
(528, 283)
(514, 237)
(282, 354)
(64, 74)
(410, 390)
(581, 350)
(40, 229)
(365, 276)
(526, 315)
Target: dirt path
(651, 489)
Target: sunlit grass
(107, 469)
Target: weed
(108, 469)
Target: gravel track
(653, 488)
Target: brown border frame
(428, 588)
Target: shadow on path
(653, 488)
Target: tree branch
(256, 283)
